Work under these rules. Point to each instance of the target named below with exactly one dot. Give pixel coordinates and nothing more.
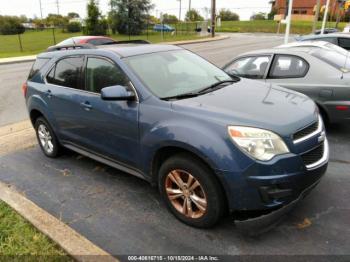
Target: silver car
(320, 44)
(339, 39)
(320, 73)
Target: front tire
(191, 191)
(46, 138)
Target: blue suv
(211, 142)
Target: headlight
(259, 143)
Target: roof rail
(70, 47)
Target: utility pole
(213, 17)
(325, 18)
(317, 14)
(286, 11)
(41, 10)
(179, 10)
(58, 6)
(289, 19)
(189, 5)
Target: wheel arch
(34, 114)
(38, 107)
(164, 153)
(324, 113)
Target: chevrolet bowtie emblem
(322, 137)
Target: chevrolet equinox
(211, 142)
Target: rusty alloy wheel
(186, 194)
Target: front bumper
(269, 187)
(263, 223)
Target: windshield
(175, 73)
(336, 59)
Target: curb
(72, 242)
(23, 59)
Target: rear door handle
(86, 105)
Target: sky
(31, 8)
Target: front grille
(314, 155)
(306, 131)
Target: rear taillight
(24, 89)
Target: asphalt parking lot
(124, 215)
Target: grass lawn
(20, 238)
(269, 26)
(34, 42)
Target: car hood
(253, 103)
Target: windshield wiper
(181, 96)
(215, 85)
(200, 92)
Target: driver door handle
(86, 105)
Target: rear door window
(102, 73)
(38, 64)
(250, 67)
(286, 66)
(344, 43)
(66, 72)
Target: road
(124, 215)
(12, 104)
(12, 76)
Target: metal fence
(36, 40)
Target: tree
(39, 23)
(258, 16)
(11, 25)
(151, 19)
(170, 19)
(73, 27)
(23, 19)
(56, 20)
(272, 14)
(95, 24)
(227, 15)
(71, 15)
(193, 15)
(129, 16)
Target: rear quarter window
(38, 64)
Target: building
(303, 9)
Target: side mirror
(117, 93)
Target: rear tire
(46, 138)
(191, 191)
